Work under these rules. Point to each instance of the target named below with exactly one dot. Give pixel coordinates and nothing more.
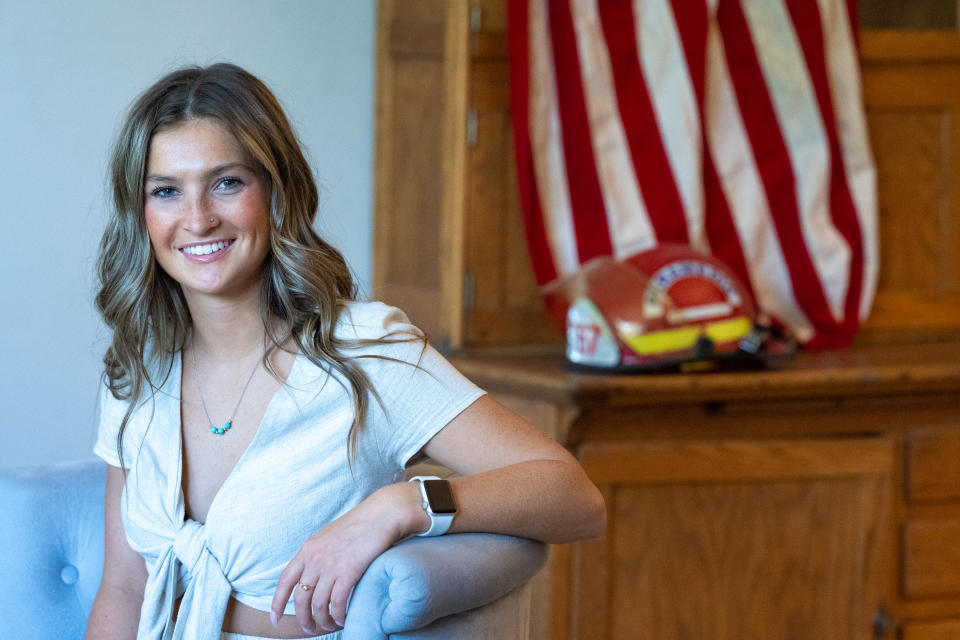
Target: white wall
(67, 72)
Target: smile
(206, 249)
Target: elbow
(595, 522)
(590, 510)
(588, 517)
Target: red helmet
(668, 307)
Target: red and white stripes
(735, 126)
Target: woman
(256, 419)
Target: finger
(338, 600)
(285, 585)
(320, 605)
(301, 603)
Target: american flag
(734, 126)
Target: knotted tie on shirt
(205, 597)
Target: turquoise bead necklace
(219, 431)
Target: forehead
(193, 145)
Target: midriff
(245, 620)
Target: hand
(332, 560)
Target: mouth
(207, 248)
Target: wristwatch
(437, 500)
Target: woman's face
(207, 210)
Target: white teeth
(205, 249)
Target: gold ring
(305, 587)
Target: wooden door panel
(411, 80)
(733, 561)
(913, 114)
(731, 540)
(421, 101)
(504, 306)
(911, 210)
(417, 144)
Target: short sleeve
(111, 413)
(419, 391)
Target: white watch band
(439, 522)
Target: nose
(199, 217)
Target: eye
(163, 192)
(229, 184)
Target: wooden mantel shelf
(861, 371)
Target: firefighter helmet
(670, 307)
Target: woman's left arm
(513, 480)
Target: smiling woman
(256, 419)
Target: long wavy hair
(305, 281)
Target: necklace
(229, 422)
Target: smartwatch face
(439, 496)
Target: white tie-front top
(293, 479)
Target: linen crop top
(292, 479)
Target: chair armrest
(423, 579)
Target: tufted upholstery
(51, 556)
(51, 549)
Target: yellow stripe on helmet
(650, 344)
(729, 330)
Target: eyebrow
(215, 170)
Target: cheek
(257, 213)
(159, 227)
(154, 223)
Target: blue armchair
(51, 556)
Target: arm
(515, 481)
(116, 609)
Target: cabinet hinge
(471, 127)
(469, 285)
(476, 18)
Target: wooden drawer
(937, 630)
(932, 469)
(931, 558)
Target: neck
(227, 330)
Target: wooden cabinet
(449, 243)
(819, 501)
